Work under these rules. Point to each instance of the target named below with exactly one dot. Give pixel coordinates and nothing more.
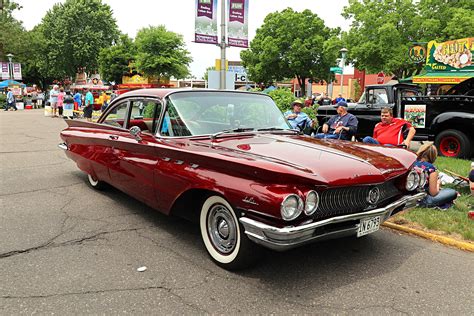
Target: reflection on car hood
(328, 161)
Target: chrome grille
(348, 200)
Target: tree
(206, 73)
(290, 44)
(161, 53)
(382, 31)
(114, 60)
(74, 33)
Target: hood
(327, 161)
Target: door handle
(113, 137)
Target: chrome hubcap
(222, 229)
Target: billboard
(206, 22)
(237, 26)
(450, 55)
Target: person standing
(60, 101)
(53, 99)
(10, 100)
(326, 100)
(341, 126)
(88, 105)
(297, 119)
(77, 100)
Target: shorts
(88, 111)
(54, 105)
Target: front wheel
(453, 143)
(223, 236)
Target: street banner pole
(223, 47)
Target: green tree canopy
(114, 60)
(161, 53)
(291, 44)
(74, 33)
(382, 31)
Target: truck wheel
(453, 143)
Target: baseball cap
(341, 103)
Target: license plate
(368, 225)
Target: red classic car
(230, 161)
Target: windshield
(203, 113)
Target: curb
(441, 239)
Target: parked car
(448, 120)
(230, 161)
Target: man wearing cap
(340, 126)
(297, 119)
(389, 131)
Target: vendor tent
(443, 77)
(9, 82)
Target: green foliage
(291, 44)
(149, 109)
(283, 98)
(205, 77)
(74, 33)
(161, 53)
(3, 100)
(382, 31)
(113, 61)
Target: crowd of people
(390, 131)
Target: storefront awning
(443, 77)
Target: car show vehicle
(230, 161)
(448, 120)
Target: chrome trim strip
(290, 236)
(63, 146)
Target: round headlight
(291, 207)
(312, 202)
(423, 179)
(413, 179)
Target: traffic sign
(337, 70)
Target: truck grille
(348, 200)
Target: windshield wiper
(234, 130)
(270, 129)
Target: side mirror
(136, 132)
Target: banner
(5, 71)
(237, 26)
(206, 22)
(450, 55)
(17, 71)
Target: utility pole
(223, 47)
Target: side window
(377, 96)
(172, 124)
(117, 116)
(143, 113)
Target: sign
(206, 22)
(237, 26)
(68, 110)
(5, 71)
(450, 55)
(337, 70)
(416, 115)
(417, 53)
(380, 78)
(213, 80)
(17, 71)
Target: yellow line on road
(441, 239)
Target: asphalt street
(67, 249)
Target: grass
(453, 221)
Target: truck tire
(453, 143)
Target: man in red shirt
(390, 130)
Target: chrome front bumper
(290, 237)
(63, 146)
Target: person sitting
(436, 197)
(388, 131)
(297, 119)
(326, 100)
(340, 98)
(340, 126)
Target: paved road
(67, 249)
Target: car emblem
(374, 196)
(249, 200)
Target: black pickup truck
(448, 120)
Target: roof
(443, 77)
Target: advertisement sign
(5, 71)
(206, 22)
(416, 115)
(16, 71)
(237, 26)
(417, 53)
(68, 110)
(450, 55)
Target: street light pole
(223, 46)
(10, 66)
(343, 55)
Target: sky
(178, 16)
